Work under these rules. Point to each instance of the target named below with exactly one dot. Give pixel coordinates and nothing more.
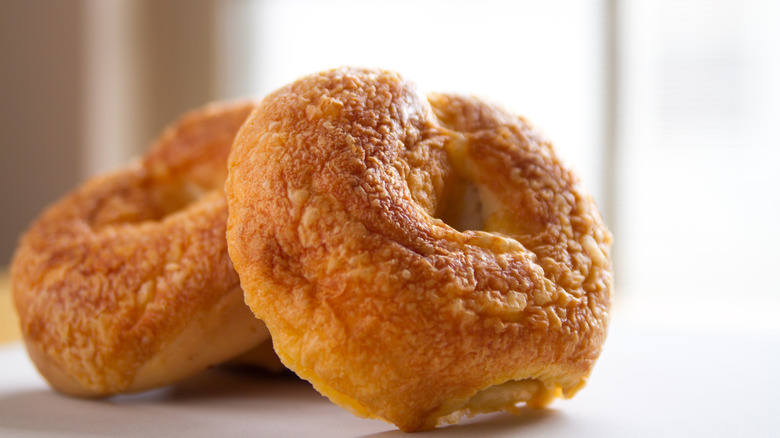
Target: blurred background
(670, 110)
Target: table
(653, 379)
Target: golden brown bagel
(126, 284)
(348, 199)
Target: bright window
(699, 156)
(686, 151)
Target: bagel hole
(150, 201)
(130, 201)
(462, 207)
(171, 198)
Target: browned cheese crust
(125, 284)
(351, 231)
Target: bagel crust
(352, 227)
(126, 284)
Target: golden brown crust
(126, 284)
(337, 187)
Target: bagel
(125, 284)
(350, 198)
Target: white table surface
(653, 380)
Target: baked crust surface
(125, 284)
(353, 234)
